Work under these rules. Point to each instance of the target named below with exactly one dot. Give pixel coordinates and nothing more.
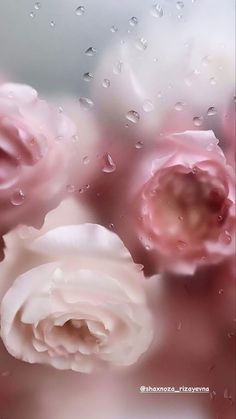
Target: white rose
(82, 306)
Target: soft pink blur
(34, 163)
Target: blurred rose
(82, 305)
(183, 202)
(33, 164)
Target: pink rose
(33, 164)
(73, 298)
(184, 202)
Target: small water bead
(80, 10)
(179, 106)
(206, 60)
(118, 67)
(159, 94)
(18, 198)
(157, 10)
(198, 121)
(133, 21)
(179, 5)
(213, 81)
(52, 24)
(106, 83)
(32, 15)
(139, 145)
(37, 5)
(221, 291)
(86, 103)
(225, 238)
(90, 52)
(133, 116)
(109, 165)
(70, 188)
(148, 106)
(88, 77)
(212, 111)
(210, 147)
(86, 160)
(181, 245)
(179, 326)
(114, 29)
(141, 44)
(75, 138)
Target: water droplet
(18, 198)
(133, 21)
(111, 226)
(88, 76)
(118, 67)
(159, 94)
(179, 106)
(52, 24)
(221, 291)
(90, 51)
(212, 111)
(141, 44)
(206, 60)
(80, 10)
(109, 165)
(181, 245)
(212, 394)
(179, 326)
(179, 5)
(70, 188)
(157, 10)
(133, 116)
(225, 237)
(59, 138)
(106, 83)
(86, 103)
(213, 81)
(75, 138)
(148, 106)
(85, 159)
(180, 218)
(198, 121)
(139, 145)
(32, 15)
(114, 29)
(37, 5)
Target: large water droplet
(106, 83)
(133, 116)
(198, 121)
(86, 103)
(109, 165)
(212, 111)
(88, 76)
(18, 198)
(80, 10)
(133, 21)
(90, 51)
(148, 106)
(118, 67)
(141, 44)
(157, 10)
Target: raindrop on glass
(109, 165)
(213, 81)
(106, 83)
(157, 10)
(86, 103)
(198, 121)
(86, 160)
(117, 68)
(88, 77)
(148, 106)
(80, 10)
(90, 51)
(212, 111)
(70, 188)
(52, 24)
(179, 5)
(37, 5)
(179, 106)
(141, 44)
(114, 29)
(133, 21)
(32, 15)
(18, 198)
(139, 145)
(133, 116)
